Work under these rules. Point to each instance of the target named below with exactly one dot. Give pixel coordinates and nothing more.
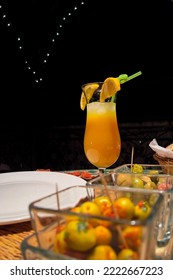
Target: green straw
(123, 78)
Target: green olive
(137, 183)
(137, 168)
(153, 172)
(142, 210)
(150, 185)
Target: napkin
(163, 152)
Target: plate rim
(27, 176)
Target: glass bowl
(147, 177)
(32, 251)
(119, 176)
(62, 232)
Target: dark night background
(98, 40)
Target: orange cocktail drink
(102, 143)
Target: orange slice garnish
(110, 87)
(86, 97)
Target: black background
(98, 40)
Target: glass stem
(102, 170)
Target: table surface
(11, 237)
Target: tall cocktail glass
(102, 142)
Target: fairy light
(36, 76)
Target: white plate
(19, 189)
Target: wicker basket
(166, 163)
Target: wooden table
(11, 237)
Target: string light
(36, 77)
